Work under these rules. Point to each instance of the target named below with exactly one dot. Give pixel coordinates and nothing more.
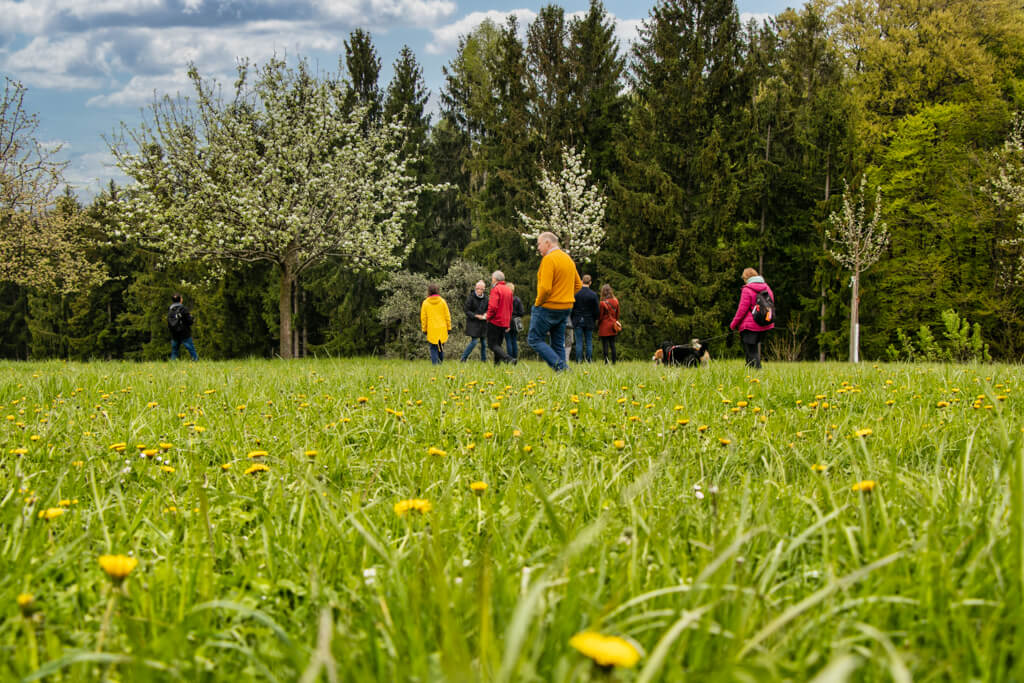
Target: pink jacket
(744, 319)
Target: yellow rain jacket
(435, 319)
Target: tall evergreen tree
(549, 79)
(363, 68)
(672, 223)
(595, 89)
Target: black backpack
(763, 312)
(177, 319)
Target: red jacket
(607, 314)
(744, 318)
(499, 306)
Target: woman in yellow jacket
(436, 322)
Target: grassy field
(809, 522)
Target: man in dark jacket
(584, 320)
(476, 321)
(179, 322)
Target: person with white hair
(499, 317)
(476, 321)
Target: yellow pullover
(557, 281)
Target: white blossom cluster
(857, 243)
(280, 173)
(571, 207)
(1007, 188)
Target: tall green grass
(706, 536)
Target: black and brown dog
(688, 355)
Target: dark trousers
(189, 346)
(606, 343)
(436, 353)
(751, 341)
(495, 338)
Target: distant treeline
(718, 145)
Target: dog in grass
(688, 355)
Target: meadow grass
(708, 517)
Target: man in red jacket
(751, 333)
(499, 317)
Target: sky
(91, 65)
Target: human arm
(545, 280)
(746, 303)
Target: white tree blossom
(571, 207)
(281, 172)
(1007, 188)
(857, 244)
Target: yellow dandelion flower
(516, 433)
(78, 463)
(257, 454)
(226, 466)
(725, 442)
(167, 468)
(741, 404)
(819, 468)
(362, 399)
(478, 487)
(118, 567)
(164, 446)
(51, 513)
(25, 601)
(702, 428)
(420, 505)
(866, 486)
(488, 435)
(496, 405)
(863, 432)
(574, 412)
(150, 452)
(257, 468)
(942, 404)
(152, 404)
(312, 453)
(19, 451)
(436, 451)
(527, 449)
(619, 444)
(538, 412)
(65, 503)
(683, 421)
(606, 651)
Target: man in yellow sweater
(557, 284)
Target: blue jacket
(584, 311)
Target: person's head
(606, 291)
(749, 273)
(546, 241)
(176, 298)
(497, 276)
(586, 280)
(433, 289)
(511, 287)
(481, 286)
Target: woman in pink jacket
(751, 332)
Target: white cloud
(446, 38)
(142, 90)
(89, 173)
(759, 17)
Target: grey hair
(549, 236)
(480, 282)
(498, 276)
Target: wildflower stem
(106, 619)
(33, 648)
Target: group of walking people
(564, 302)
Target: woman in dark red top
(607, 316)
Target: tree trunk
(760, 242)
(828, 182)
(855, 318)
(285, 309)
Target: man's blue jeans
(189, 346)
(469, 349)
(584, 338)
(545, 320)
